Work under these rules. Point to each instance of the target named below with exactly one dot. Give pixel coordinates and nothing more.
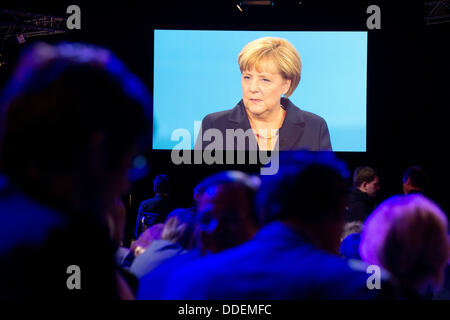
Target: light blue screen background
(196, 73)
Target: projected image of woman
(270, 72)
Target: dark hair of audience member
(161, 184)
(226, 214)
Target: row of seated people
(222, 249)
(362, 198)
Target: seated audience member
(415, 180)
(349, 248)
(407, 235)
(294, 255)
(226, 215)
(72, 118)
(351, 238)
(197, 193)
(225, 218)
(366, 185)
(175, 239)
(350, 228)
(153, 211)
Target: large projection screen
(196, 73)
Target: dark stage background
(408, 75)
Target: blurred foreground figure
(72, 118)
(407, 235)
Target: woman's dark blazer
(300, 130)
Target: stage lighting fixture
(257, 3)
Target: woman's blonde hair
(280, 51)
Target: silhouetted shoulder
(148, 202)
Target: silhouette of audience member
(407, 235)
(226, 217)
(294, 255)
(415, 180)
(153, 211)
(72, 118)
(351, 237)
(366, 185)
(175, 239)
(225, 211)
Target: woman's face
(261, 91)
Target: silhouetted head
(225, 210)
(415, 180)
(366, 180)
(308, 192)
(161, 184)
